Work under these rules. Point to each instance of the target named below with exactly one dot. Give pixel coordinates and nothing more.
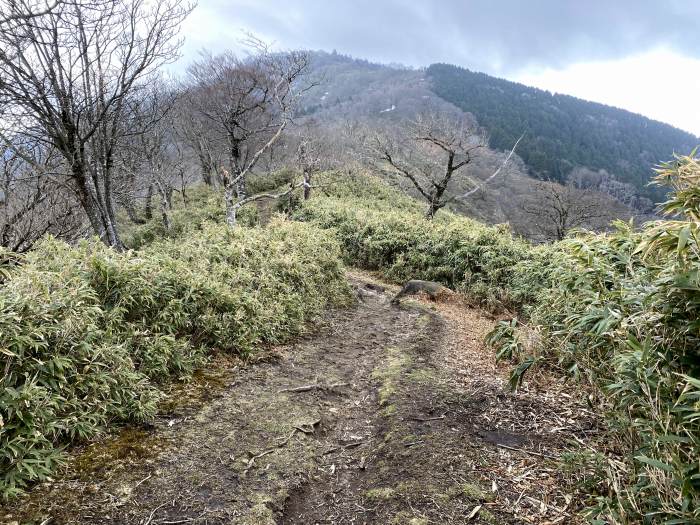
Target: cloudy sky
(641, 55)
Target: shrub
(204, 204)
(623, 315)
(269, 182)
(88, 335)
(390, 234)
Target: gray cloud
(497, 36)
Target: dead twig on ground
(310, 429)
(424, 419)
(185, 520)
(525, 451)
(315, 386)
(143, 480)
(153, 512)
(344, 447)
(251, 461)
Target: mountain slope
(562, 132)
(350, 91)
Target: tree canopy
(562, 132)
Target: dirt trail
(384, 415)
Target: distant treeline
(561, 131)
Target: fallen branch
(150, 517)
(251, 461)
(525, 451)
(308, 388)
(178, 521)
(343, 447)
(309, 430)
(143, 480)
(423, 419)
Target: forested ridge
(561, 131)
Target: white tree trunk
(231, 208)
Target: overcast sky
(641, 55)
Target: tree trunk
(241, 192)
(148, 207)
(290, 202)
(169, 197)
(85, 197)
(237, 169)
(97, 200)
(307, 185)
(110, 216)
(165, 205)
(132, 213)
(433, 208)
(231, 208)
(206, 170)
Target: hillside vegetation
(91, 337)
(356, 100)
(149, 223)
(622, 313)
(382, 230)
(617, 311)
(562, 132)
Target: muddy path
(383, 415)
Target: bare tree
(33, 202)
(250, 101)
(152, 159)
(558, 209)
(24, 10)
(429, 152)
(194, 132)
(309, 161)
(315, 153)
(66, 76)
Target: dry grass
(525, 433)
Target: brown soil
(392, 415)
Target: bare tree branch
(557, 209)
(66, 75)
(250, 101)
(493, 175)
(20, 11)
(429, 152)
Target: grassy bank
(88, 335)
(383, 230)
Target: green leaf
(655, 463)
